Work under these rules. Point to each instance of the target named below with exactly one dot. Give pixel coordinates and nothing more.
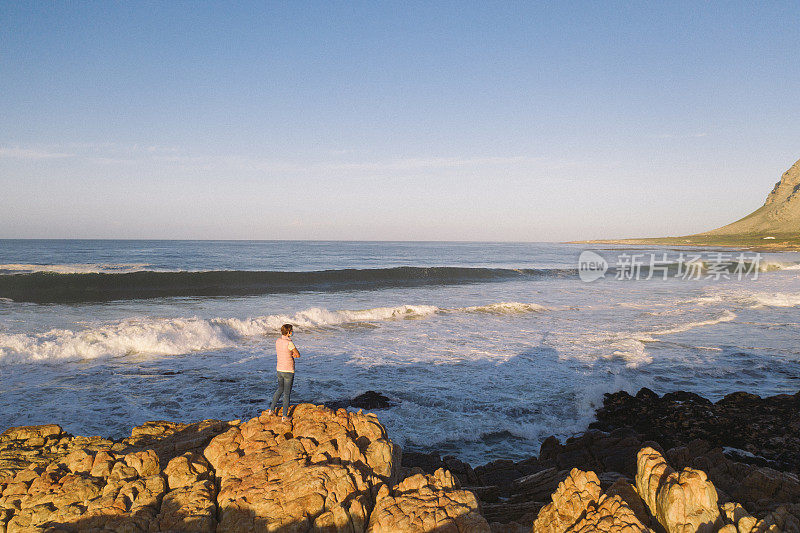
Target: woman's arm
(293, 350)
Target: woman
(287, 353)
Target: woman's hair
(285, 329)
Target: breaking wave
(176, 336)
(73, 268)
(777, 299)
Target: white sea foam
(504, 308)
(771, 266)
(175, 336)
(726, 316)
(776, 299)
(631, 346)
(73, 268)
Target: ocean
(485, 348)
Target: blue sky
(392, 120)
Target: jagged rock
(186, 469)
(610, 514)
(759, 489)
(427, 503)
(126, 497)
(784, 518)
(681, 501)
(736, 515)
(766, 429)
(570, 502)
(171, 439)
(578, 506)
(540, 485)
(21, 447)
(628, 493)
(369, 400)
(331, 470)
(32, 435)
(190, 506)
(319, 471)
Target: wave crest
(176, 336)
(72, 268)
(49, 287)
(777, 299)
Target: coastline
(221, 476)
(786, 243)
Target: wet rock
(372, 400)
(369, 401)
(501, 472)
(428, 462)
(766, 429)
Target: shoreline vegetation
(676, 462)
(781, 243)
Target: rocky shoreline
(672, 463)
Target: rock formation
(423, 503)
(331, 470)
(322, 471)
(764, 431)
(683, 501)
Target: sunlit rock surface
(328, 470)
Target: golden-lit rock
(569, 502)
(319, 471)
(683, 501)
(427, 503)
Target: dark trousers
(285, 380)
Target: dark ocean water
(487, 348)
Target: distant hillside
(774, 225)
(780, 214)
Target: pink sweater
(284, 347)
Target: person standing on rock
(287, 353)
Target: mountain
(775, 225)
(780, 214)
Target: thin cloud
(109, 154)
(24, 153)
(682, 135)
(414, 163)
